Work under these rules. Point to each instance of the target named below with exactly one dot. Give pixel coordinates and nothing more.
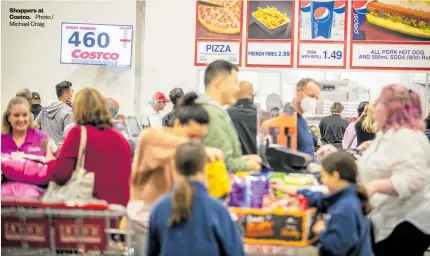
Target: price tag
(269, 54)
(211, 51)
(95, 44)
(400, 56)
(321, 55)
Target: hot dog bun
(420, 15)
(399, 27)
(399, 19)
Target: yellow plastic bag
(218, 181)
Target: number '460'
(89, 39)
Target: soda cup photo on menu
(359, 11)
(338, 29)
(322, 18)
(305, 20)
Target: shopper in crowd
(26, 94)
(188, 221)
(107, 153)
(22, 155)
(346, 228)
(176, 95)
(307, 94)
(55, 117)
(221, 88)
(113, 107)
(153, 116)
(274, 112)
(395, 169)
(244, 116)
(333, 127)
(36, 106)
(349, 140)
(264, 116)
(153, 170)
(365, 127)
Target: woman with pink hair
(396, 172)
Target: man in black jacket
(175, 95)
(244, 117)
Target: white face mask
(308, 104)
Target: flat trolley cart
(35, 228)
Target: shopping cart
(35, 228)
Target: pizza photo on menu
(219, 19)
(391, 20)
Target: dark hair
(26, 94)
(345, 165)
(305, 81)
(176, 94)
(275, 109)
(427, 120)
(216, 68)
(62, 87)
(35, 95)
(361, 107)
(190, 159)
(189, 110)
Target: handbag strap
(352, 141)
(82, 146)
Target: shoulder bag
(80, 186)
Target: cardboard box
(275, 227)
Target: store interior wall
(169, 61)
(162, 57)
(31, 55)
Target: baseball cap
(159, 96)
(35, 95)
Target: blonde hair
(90, 108)
(6, 127)
(369, 122)
(336, 108)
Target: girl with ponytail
(188, 221)
(346, 228)
(153, 171)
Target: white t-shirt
(151, 118)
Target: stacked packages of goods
(270, 217)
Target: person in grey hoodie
(53, 118)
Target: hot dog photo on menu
(391, 20)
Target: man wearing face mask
(307, 94)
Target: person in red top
(107, 153)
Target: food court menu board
(218, 31)
(390, 34)
(327, 34)
(270, 33)
(322, 34)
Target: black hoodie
(35, 109)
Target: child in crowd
(188, 221)
(346, 228)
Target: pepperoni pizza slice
(221, 20)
